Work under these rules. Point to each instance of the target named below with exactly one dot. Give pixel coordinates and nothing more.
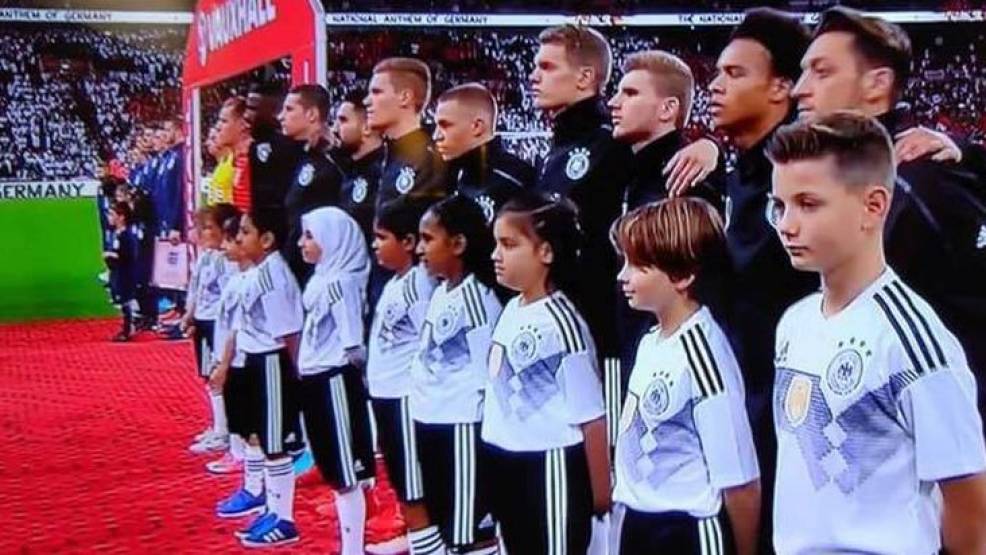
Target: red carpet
(95, 458)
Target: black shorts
(337, 422)
(638, 533)
(235, 394)
(202, 341)
(453, 468)
(395, 434)
(542, 499)
(270, 400)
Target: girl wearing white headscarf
(331, 359)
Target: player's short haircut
(783, 35)
(236, 104)
(314, 96)
(877, 42)
(584, 46)
(408, 74)
(474, 95)
(356, 99)
(682, 237)
(859, 146)
(672, 76)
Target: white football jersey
(206, 283)
(449, 375)
(395, 335)
(228, 315)
(544, 377)
(333, 324)
(271, 303)
(684, 432)
(872, 406)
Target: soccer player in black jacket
(273, 158)
(479, 166)
(585, 164)
(317, 177)
(399, 91)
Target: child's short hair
(402, 215)
(555, 222)
(270, 220)
(681, 236)
(122, 209)
(231, 226)
(219, 213)
(860, 146)
(460, 215)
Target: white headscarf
(343, 247)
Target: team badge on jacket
(306, 175)
(263, 152)
(578, 163)
(488, 206)
(405, 180)
(360, 188)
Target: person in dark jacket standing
(399, 91)
(318, 177)
(586, 165)
(358, 196)
(273, 157)
(479, 166)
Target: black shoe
(121, 337)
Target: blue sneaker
(261, 524)
(282, 533)
(240, 504)
(303, 462)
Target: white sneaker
(389, 547)
(202, 435)
(211, 442)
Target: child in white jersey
(543, 415)
(395, 338)
(449, 376)
(201, 307)
(221, 381)
(880, 446)
(267, 337)
(686, 469)
(331, 360)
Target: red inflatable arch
(230, 37)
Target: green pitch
(51, 255)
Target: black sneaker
(121, 337)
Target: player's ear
(878, 83)
(780, 90)
(586, 78)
